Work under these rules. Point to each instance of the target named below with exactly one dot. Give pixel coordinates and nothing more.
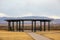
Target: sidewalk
(38, 37)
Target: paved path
(38, 37)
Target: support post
(34, 26)
(13, 26)
(9, 26)
(44, 26)
(40, 26)
(22, 26)
(19, 26)
(48, 25)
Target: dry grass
(54, 35)
(5, 35)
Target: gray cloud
(36, 7)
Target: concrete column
(12, 25)
(19, 25)
(48, 25)
(34, 26)
(40, 26)
(9, 26)
(22, 26)
(44, 26)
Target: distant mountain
(56, 21)
(2, 19)
(34, 17)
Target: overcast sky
(48, 8)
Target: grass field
(5, 35)
(53, 35)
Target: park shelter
(18, 21)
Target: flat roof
(28, 20)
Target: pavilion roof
(30, 18)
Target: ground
(5, 35)
(54, 35)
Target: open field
(54, 35)
(5, 35)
